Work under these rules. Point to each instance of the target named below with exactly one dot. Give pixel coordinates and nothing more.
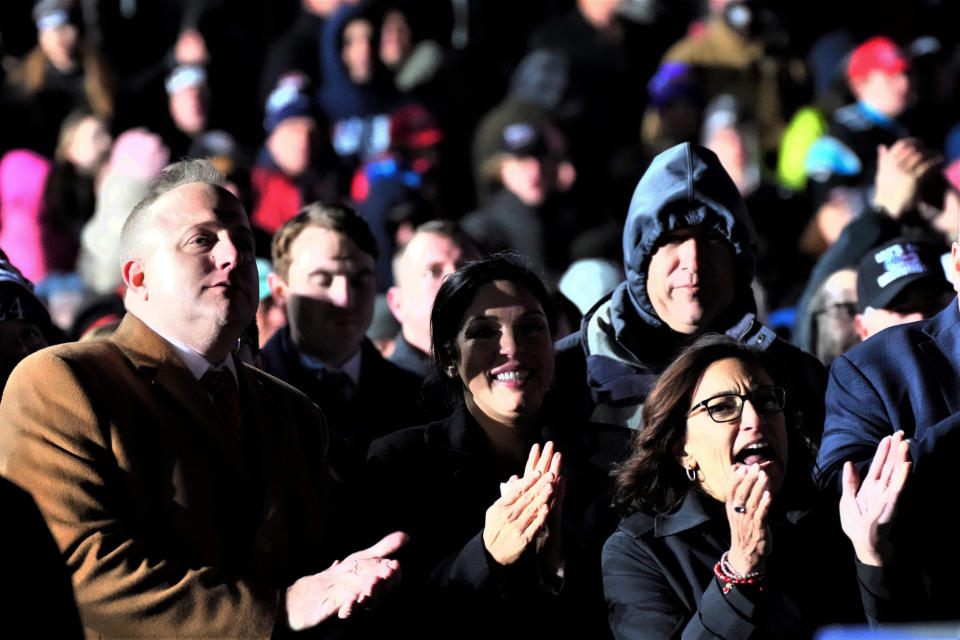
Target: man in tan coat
(186, 490)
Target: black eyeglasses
(726, 407)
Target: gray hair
(187, 171)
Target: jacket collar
(157, 359)
(943, 326)
(692, 513)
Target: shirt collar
(351, 367)
(196, 363)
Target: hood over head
(339, 97)
(685, 186)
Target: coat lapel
(155, 357)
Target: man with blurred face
(847, 155)
(437, 249)
(900, 281)
(357, 50)
(323, 261)
(689, 248)
(906, 378)
(186, 490)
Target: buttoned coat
(171, 524)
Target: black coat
(658, 577)
(384, 401)
(436, 482)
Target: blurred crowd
(529, 123)
(432, 186)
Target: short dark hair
(334, 217)
(651, 478)
(457, 293)
(442, 228)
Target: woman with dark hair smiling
(721, 539)
(503, 532)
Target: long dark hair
(651, 479)
(455, 296)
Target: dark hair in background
(455, 296)
(651, 479)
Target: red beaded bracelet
(730, 581)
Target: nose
(508, 342)
(749, 418)
(689, 253)
(339, 291)
(226, 253)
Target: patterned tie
(221, 386)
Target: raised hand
(867, 508)
(899, 169)
(748, 503)
(357, 580)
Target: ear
(134, 278)
(686, 460)
(394, 299)
(955, 263)
(278, 289)
(860, 327)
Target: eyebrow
(525, 314)
(333, 270)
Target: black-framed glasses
(726, 407)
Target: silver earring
(691, 474)
(451, 371)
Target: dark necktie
(338, 387)
(221, 386)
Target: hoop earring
(691, 474)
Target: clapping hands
(515, 519)
(867, 508)
(355, 581)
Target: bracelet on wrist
(733, 573)
(731, 578)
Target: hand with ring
(748, 503)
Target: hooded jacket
(623, 346)
(359, 114)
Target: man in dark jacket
(906, 379)
(689, 248)
(323, 260)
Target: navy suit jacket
(906, 377)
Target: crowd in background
(807, 154)
(530, 123)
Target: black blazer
(436, 482)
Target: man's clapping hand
(355, 581)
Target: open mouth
(755, 453)
(512, 378)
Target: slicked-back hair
(652, 479)
(455, 296)
(187, 171)
(334, 217)
(442, 228)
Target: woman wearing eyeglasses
(722, 536)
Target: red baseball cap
(877, 53)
